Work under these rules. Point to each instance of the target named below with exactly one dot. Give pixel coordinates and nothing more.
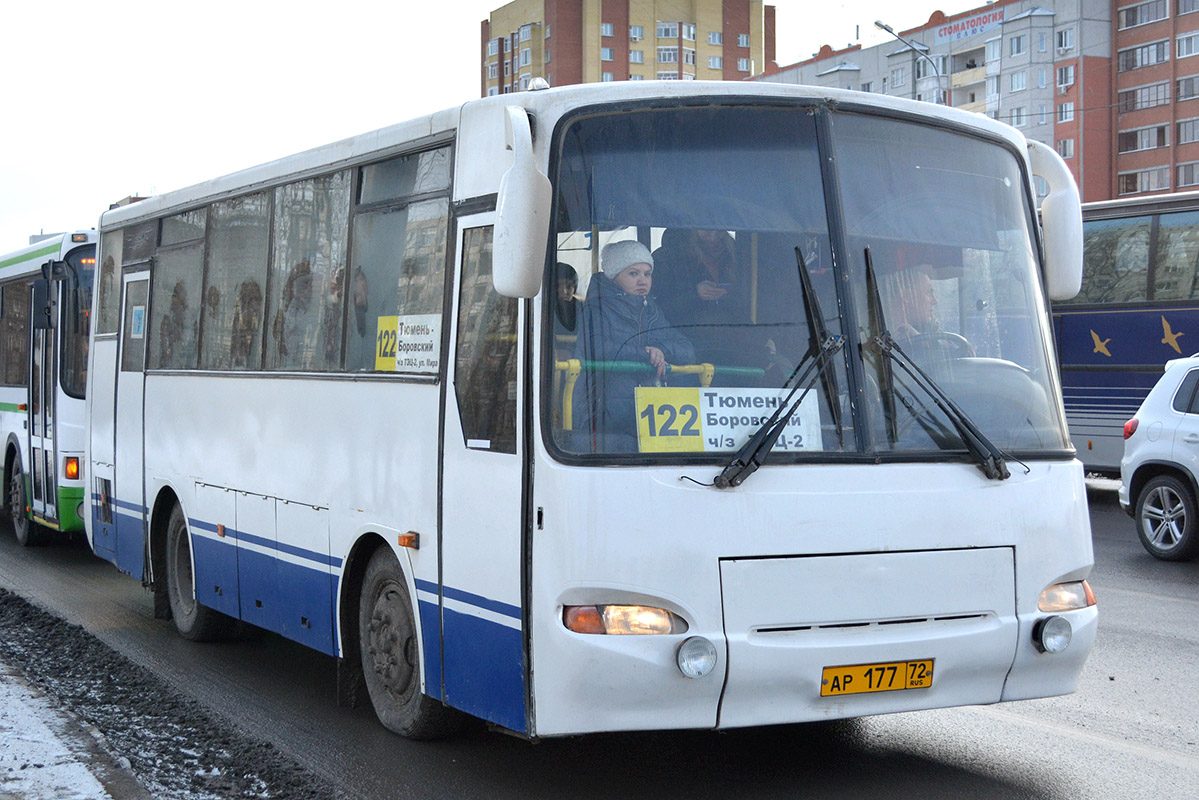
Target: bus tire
(27, 531)
(193, 621)
(1167, 519)
(391, 655)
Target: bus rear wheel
(192, 620)
(391, 655)
(26, 530)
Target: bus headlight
(1052, 634)
(696, 657)
(622, 620)
(1069, 596)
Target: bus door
(40, 459)
(482, 615)
(128, 480)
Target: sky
(102, 100)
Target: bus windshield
(76, 307)
(709, 272)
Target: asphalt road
(1131, 731)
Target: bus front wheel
(192, 620)
(391, 655)
(18, 504)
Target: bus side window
(485, 378)
(238, 239)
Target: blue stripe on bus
(283, 547)
(478, 601)
(430, 625)
(484, 669)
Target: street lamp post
(882, 26)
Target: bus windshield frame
(943, 211)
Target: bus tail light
(71, 468)
(1066, 597)
(1130, 427)
(622, 620)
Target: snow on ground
(40, 751)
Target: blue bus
(1138, 308)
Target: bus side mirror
(54, 270)
(43, 306)
(522, 214)
(1061, 223)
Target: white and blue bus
(45, 303)
(1137, 309)
(339, 396)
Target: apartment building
(586, 41)
(1112, 85)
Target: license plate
(887, 677)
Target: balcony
(968, 77)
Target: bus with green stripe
(45, 302)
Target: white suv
(1159, 473)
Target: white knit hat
(616, 257)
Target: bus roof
(546, 104)
(31, 257)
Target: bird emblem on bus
(1170, 337)
(1100, 344)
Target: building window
(636, 33)
(1017, 81)
(1143, 56)
(1142, 139)
(507, 44)
(897, 77)
(507, 68)
(493, 47)
(668, 55)
(930, 66)
(1044, 115)
(1065, 112)
(994, 49)
(715, 62)
(1148, 180)
(636, 56)
(687, 76)
(1019, 117)
(689, 56)
(1065, 148)
(993, 86)
(1188, 131)
(743, 40)
(605, 29)
(606, 77)
(492, 91)
(526, 57)
(1016, 45)
(1188, 88)
(668, 30)
(668, 76)
(1141, 14)
(1065, 76)
(636, 78)
(605, 54)
(1042, 42)
(868, 86)
(1065, 40)
(525, 33)
(493, 70)
(1188, 174)
(1157, 94)
(743, 65)
(1187, 6)
(688, 31)
(547, 55)
(1188, 45)
(547, 31)
(716, 37)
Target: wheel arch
(1152, 469)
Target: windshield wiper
(821, 348)
(989, 457)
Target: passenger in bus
(621, 322)
(247, 321)
(702, 290)
(291, 319)
(170, 348)
(910, 307)
(331, 319)
(567, 309)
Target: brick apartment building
(586, 41)
(1114, 86)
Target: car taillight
(1130, 427)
